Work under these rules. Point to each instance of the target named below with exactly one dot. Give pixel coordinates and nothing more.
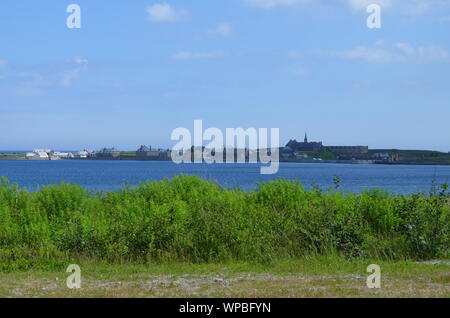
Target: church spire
(306, 138)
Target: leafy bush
(190, 219)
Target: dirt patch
(242, 285)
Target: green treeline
(193, 220)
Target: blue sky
(138, 69)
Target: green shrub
(193, 220)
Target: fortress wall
(348, 150)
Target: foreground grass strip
(306, 277)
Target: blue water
(112, 175)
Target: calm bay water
(113, 175)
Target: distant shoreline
(348, 162)
(373, 156)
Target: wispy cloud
(32, 83)
(223, 29)
(79, 65)
(3, 63)
(270, 4)
(361, 5)
(164, 12)
(410, 7)
(79, 60)
(185, 55)
(383, 52)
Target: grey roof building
(108, 153)
(146, 153)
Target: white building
(84, 154)
(38, 154)
(61, 155)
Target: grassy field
(186, 225)
(11, 155)
(315, 276)
(418, 156)
(428, 157)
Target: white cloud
(223, 29)
(3, 63)
(422, 6)
(401, 6)
(359, 5)
(69, 75)
(164, 12)
(383, 52)
(79, 60)
(34, 83)
(412, 7)
(269, 4)
(183, 56)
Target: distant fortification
(316, 146)
(305, 146)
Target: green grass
(308, 276)
(425, 156)
(190, 220)
(12, 155)
(128, 154)
(418, 156)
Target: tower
(306, 138)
